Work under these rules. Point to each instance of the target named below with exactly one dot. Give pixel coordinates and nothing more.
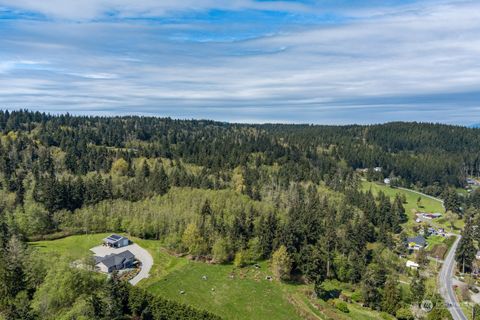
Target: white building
(412, 265)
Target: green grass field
(71, 248)
(426, 205)
(237, 293)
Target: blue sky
(329, 62)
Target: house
(377, 169)
(412, 265)
(473, 182)
(431, 216)
(387, 180)
(416, 243)
(432, 231)
(477, 255)
(115, 261)
(116, 241)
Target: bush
(281, 264)
(342, 306)
(254, 249)
(404, 314)
(174, 242)
(356, 296)
(221, 251)
(474, 289)
(386, 316)
(240, 259)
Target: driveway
(141, 255)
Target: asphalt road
(446, 284)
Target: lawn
(72, 248)
(227, 291)
(426, 205)
(435, 240)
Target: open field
(237, 293)
(71, 248)
(426, 205)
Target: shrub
(404, 314)
(221, 251)
(342, 306)
(254, 249)
(240, 259)
(356, 296)
(281, 264)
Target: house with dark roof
(116, 241)
(115, 261)
(416, 243)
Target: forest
(220, 192)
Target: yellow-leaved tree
(119, 167)
(281, 264)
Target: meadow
(233, 293)
(412, 206)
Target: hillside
(214, 199)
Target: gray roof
(113, 238)
(418, 240)
(117, 259)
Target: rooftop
(115, 259)
(420, 240)
(113, 238)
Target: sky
(305, 61)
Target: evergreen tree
(391, 296)
(417, 287)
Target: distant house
(113, 262)
(377, 169)
(412, 265)
(416, 243)
(116, 241)
(477, 255)
(431, 216)
(387, 180)
(473, 182)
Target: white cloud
(391, 66)
(93, 9)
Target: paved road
(141, 255)
(445, 279)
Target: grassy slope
(426, 205)
(71, 248)
(247, 296)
